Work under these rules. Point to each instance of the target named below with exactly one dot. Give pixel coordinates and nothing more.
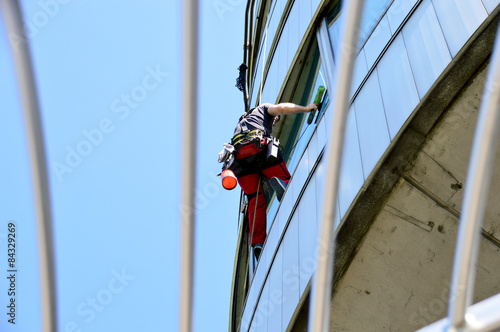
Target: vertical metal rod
(476, 194)
(188, 180)
(322, 281)
(36, 146)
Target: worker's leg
(256, 216)
(280, 171)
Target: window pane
(372, 12)
(351, 171)
(398, 11)
(290, 270)
(276, 296)
(259, 322)
(426, 46)
(359, 72)
(377, 41)
(398, 88)
(459, 19)
(307, 234)
(490, 5)
(372, 125)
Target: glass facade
(404, 47)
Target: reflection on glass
(292, 27)
(398, 11)
(351, 170)
(490, 5)
(459, 20)
(377, 41)
(398, 88)
(275, 281)
(426, 47)
(305, 15)
(271, 212)
(372, 12)
(290, 273)
(372, 125)
(306, 130)
(307, 234)
(359, 72)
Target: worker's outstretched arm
(289, 108)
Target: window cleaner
(317, 100)
(254, 155)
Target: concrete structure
(418, 83)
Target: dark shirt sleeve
(268, 118)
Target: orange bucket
(228, 179)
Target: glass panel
(315, 4)
(272, 81)
(426, 47)
(397, 85)
(259, 278)
(290, 270)
(308, 224)
(271, 243)
(249, 307)
(377, 41)
(305, 15)
(283, 55)
(490, 5)
(459, 19)
(306, 130)
(299, 177)
(351, 171)
(372, 11)
(359, 73)
(292, 25)
(319, 176)
(271, 30)
(398, 11)
(312, 151)
(321, 133)
(372, 125)
(286, 206)
(272, 213)
(245, 320)
(335, 34)
(276, 295)
(261, 316)
(256, 83)
(266, 95)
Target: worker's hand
(276, 119)
(312, 107)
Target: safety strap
(255, 211)
(247, 136)
(244, 127)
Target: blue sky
(108, 74)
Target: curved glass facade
(404, 48)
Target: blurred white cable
(21, 54)
(476, 194)
(319, 316)
(188, 180)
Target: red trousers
(249, 183)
